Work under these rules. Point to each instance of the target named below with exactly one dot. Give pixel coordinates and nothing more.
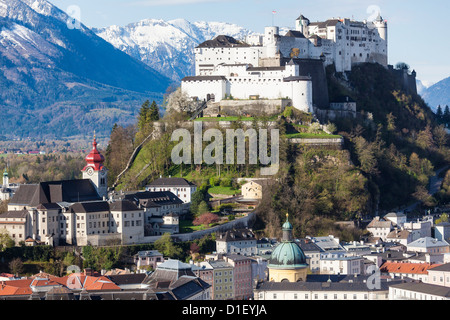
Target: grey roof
(308, 246)
(294, 34)
(297, 78)
(123, 205)
(427, 242)
(149, 253)
(123, 279)
(149, 199)
(167, 273)
(56, 191)
(222, 41)
(236, 235)
(327, 23)
(398, 234)
(187, 286)
(15, 214)
(171, 182)
(358, 286)
(87, 207)
(424, 288)
(203, 78)
(376, 223)
(395, 214)
(442, 267)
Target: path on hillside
(433, 188)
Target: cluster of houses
(82, 211)
(244, 267)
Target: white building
(429, 245)
(265, 67)
(380, 228)
(418, 291)
(180, 187)
(340, 263)
(397, 218)
(240, 241)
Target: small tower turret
(301, 24)
(95, 170)
(5, 179)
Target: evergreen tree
(446, 116)
(439, 114)
(143, 113)
(153, 112)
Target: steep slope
(167, 46)
(438, 94)
(49, 72)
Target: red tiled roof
(15, 287)
(411, 268)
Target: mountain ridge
(49, 71)
(167, 46)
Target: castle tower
(271, 41)
(301, 24)
(381, 25)
(95, 171)
(288, 261)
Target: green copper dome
(288, 254)
(5, 174)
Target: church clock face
(103, 172)
(90, 171)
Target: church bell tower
(95, 171)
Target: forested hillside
(391, 150)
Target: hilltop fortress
(266, 73)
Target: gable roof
(428, 242)
(15, 214)
(424, 288)
(123, 205)
(149, 199)
(86, 207)
(55, 191)
(327, 23)
(295, 34)
(236, 235)
(222, 41)
(171, 182)
(408, 268)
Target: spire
(287, 229)
(94, 159)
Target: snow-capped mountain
(167, 46)
(438, 94)
(62, 79)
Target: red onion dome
(94, 159)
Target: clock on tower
(95, 171)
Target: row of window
(324, 296)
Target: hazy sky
(418, 30)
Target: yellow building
(288, 261)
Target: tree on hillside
(119, 150)
(153, 113)
(446, 116)
(439, 114)
(5, 240)
(206, 219)
(143, 112)
(16, 266)
(166, 246)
